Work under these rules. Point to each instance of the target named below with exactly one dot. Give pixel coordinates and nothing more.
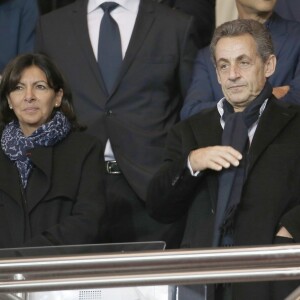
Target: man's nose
(234, 72)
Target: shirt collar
(130, 5)
(220, 106)
(221, 110)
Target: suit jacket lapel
(81, 32)
(207, 129)
(210, 136)
(141, 28)
(10, 181)
(212, 179)
(40, 178)
(273, 120)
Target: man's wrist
(196, 173)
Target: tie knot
(108, 6)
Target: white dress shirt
(225, 11)
(125, 15)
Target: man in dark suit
(203, 12)
(235, 169)
(18, 19)
(133, 118)
(47, 6)
(205, 91)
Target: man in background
(288, 9)
(128, 95)
(203, 12)
(18, 19)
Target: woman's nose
(29, 95)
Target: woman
(51, 189)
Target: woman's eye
(18, 88)
(41, 87)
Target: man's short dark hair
(240, 27)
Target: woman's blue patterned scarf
(15, 145)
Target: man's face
(257, 6)
(240, 70)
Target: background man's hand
(281, 91)
(214, 158)
(284, 233)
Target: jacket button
(108, 112)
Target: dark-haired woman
(51, 190)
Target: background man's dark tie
(109, 47)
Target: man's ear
(270, 65)
(218, 75)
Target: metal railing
(150, 268)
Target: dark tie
(109, 47)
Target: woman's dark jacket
(63, 202)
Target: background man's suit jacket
(18, 20)
(205, 90)
(203, 12)
(271, 192)
(288, 9)
(145, 101)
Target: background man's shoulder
(63, 12)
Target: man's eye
(244, 64)
(223, 67)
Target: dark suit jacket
(63, 202)
(147, 97)
(271, 193)
(18, 19)
(205, 90)
(47, 6)
(203, 12)
(288, 9)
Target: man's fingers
(223, 161)
(228, 149)
(227, 156)
(214, 166)
(215, 158)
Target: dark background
(49, 5)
